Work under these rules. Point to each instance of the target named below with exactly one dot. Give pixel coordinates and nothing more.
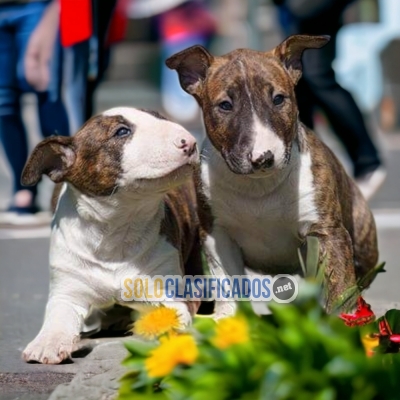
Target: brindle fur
(181, 226)
(249, 79)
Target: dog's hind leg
(365, 242)
(340, 285)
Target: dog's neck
(113, 224)
(119, 209)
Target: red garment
(119, 23)
(76, 23)
(191, 18)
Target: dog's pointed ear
(192, 65)
(291, 50)
(53, 156)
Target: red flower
(362, 316)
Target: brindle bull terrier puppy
(268, 182)
(127, 207)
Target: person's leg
(24, 22)
(52, 114)
(340, 108)
(305, 103)
(103, 13)
(76, 63)
(12, 130)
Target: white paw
(50, 348)
(224, 309)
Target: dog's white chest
(268, 225)
(101, 259)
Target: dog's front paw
(49, 348)
(224, 309)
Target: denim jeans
(17, 22)
(76, 66)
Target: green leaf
(140, 347)
(370, 328)
(143, 396)
(325, 394)
(133, 363)
(302, 264)
(393, 319)
(342, 367)
(371, 274)
(206, 268)
(312, 261)
(204, 325)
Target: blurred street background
(367, 64)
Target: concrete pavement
(24, 279)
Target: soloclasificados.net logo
(280, 288)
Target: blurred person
(87, 55)
(182, 27)
(180, 24)
(318, 87)
(30, 61)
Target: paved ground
(24, 275)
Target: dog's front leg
(60, 331)
(339, 275)
(224, 259)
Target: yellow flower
(173, 350)
(370, 342)
(157, 322)
(230, 331)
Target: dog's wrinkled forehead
(251, 68)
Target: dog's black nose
(187, 145)
(265, 160)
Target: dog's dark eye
(225, 105)
(122, 132)
(278, 99)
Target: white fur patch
(308, 212)
(151, 153)
(265, 139)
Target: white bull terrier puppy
(126, 207)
